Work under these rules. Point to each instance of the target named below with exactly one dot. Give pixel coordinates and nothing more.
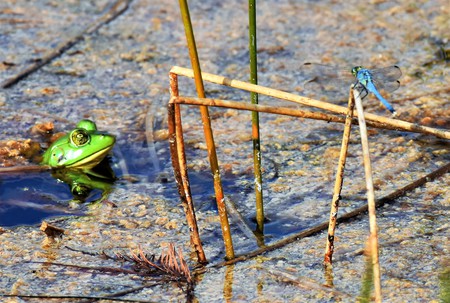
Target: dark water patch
(28, 199)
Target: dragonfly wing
(386, 78)
(326, 71)
(387, 74)
(319, 83)
(388, 86)
(326, 77)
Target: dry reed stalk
(209, 138)
(382, 121)
(328, 259)
(259, 108)
(370, 198)
(176, 143)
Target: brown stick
(328, 259)
(280, 111)
(116, 10)
(258, 108)
(176, 143)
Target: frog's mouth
(93, 159)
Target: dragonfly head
(356, 69)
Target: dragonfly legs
(362, 90)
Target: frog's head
(84, 147)
(356, 69)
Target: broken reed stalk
(379, 122)
(209, 138)
(383, 122)
(328, 259)
(255, 118)
(373, 238)
(177, 153)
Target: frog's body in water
(84, 148)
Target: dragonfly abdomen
(365, 77)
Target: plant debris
(170, 264)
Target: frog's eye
(79, 137)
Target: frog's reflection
(82, 182)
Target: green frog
(82, 148)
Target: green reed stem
(255, 118)
(229, 251)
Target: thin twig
(258, 108)
(116, 10)
(108, 269)
(131, 290)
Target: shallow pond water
(118, 77)
(25, 202)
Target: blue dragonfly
(365, 80)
